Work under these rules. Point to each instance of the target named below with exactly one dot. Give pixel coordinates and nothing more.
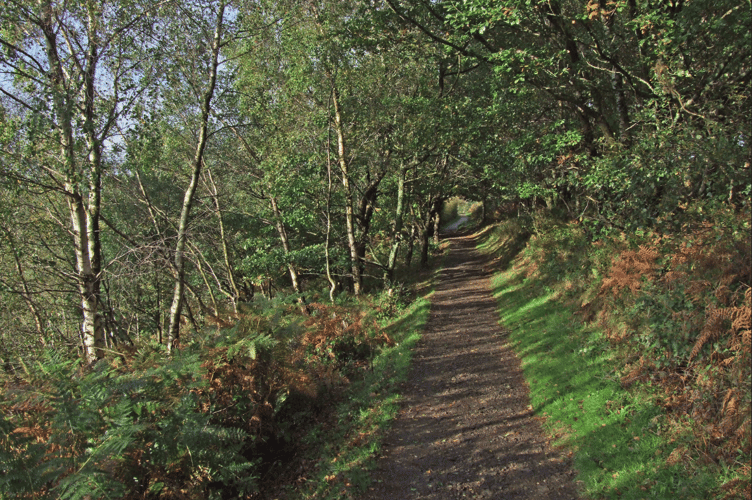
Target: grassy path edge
(619, 445)
(345, 453)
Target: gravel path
(466, 428)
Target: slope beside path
(466, 428)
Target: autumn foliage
(682, 307)
(199, 424)
(674, 310)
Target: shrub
(119, 433)
(683, 302)
(197, 424)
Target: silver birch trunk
(285, 244)
(397, 230)
(349, 211)
(84, 223)
(173, 332)
(234, 291)
(332, 283)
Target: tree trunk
(294, 277)
(84, 225)
(234, 290)
(410, 245)
(285, 244)
(173, 332)
(365, 215)
(88, 282)
(397, 228)
(436, 225)
(425, 238)
(25, 289)
(332, 282)
(430, 229)
(349, 210)
(617, 85)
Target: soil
(466, 428)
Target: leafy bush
(675, 307)
(684, 305)
(344, 339)
(674, 310)
(392, 300)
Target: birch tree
(204, 90)
(77, 70)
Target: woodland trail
(465, 428)
(454, 226)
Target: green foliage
(122, 430)
(653, 184)
(208, 420)
(344, 450)
(450, 210)
(660, 338)
(631, 118)
(392, 300)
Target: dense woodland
(171, 172)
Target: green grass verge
(619, 447)
(345, 452)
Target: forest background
(169, 168)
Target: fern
(74, 435)
(252, 347)
(722, 321)
(20, 457)
(94, 484)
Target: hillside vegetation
(637, 352)
(209, 209)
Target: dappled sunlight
(466, 425)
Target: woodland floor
(466, 428)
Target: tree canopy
(305, 137)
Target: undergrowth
(224, 417)
(650, 386)
(344, 446)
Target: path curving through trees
(466, 428)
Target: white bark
(349, 211)
(173, 332)
(84, 219)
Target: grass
(345, 452)
(617, 438)
(342, 449)
(621, 441)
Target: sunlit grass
(618, 447)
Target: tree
(78, 72)
(206, 90)
(608, 83)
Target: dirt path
(466, 429)
(454, 226)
